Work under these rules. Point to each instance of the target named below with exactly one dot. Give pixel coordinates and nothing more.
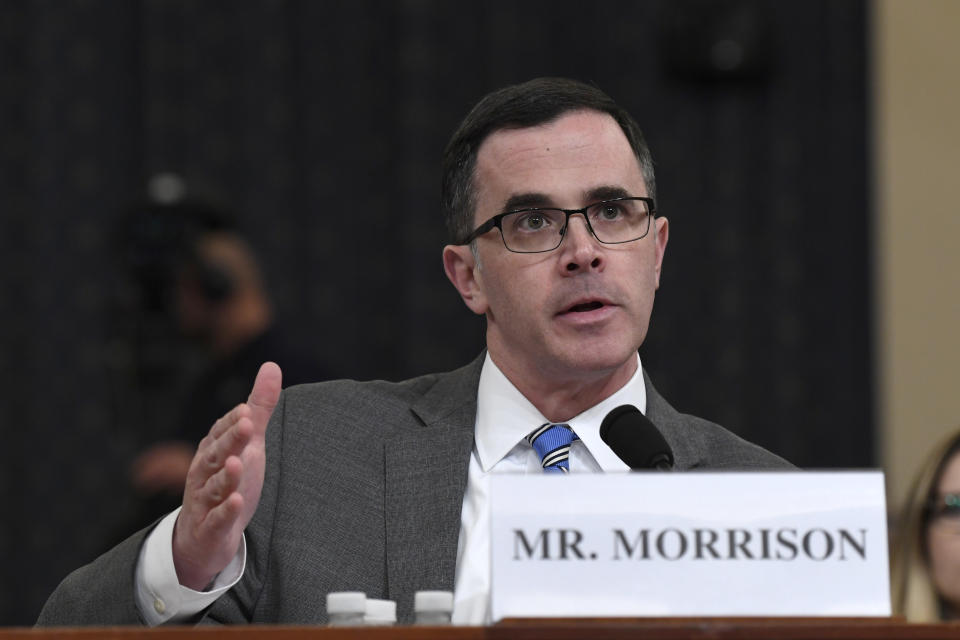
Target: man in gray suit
(548, 192)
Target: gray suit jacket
(363, 491)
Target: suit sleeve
(100, 593)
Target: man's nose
(581, 250)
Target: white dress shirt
(504, 418)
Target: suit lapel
(686, 453)
(425, 471)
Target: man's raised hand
(223, 485)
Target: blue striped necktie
(552, 444)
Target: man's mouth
(585, 306)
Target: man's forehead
(589, 120)
(583, 155)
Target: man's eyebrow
(606, 192)
(527, 201)
(536, 200)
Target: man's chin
(598, 360)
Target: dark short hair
(518, 106)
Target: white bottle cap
(380, 612)
(346, 602)
(433, 601)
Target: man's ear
(464, 273)
(661, 230)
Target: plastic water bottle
(433, 608)
(380, 613)
(346, 608)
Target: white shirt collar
(505, 417)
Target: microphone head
(635, 439)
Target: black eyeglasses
(542, 229)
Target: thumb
(265, 393)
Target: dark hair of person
(529, 104)
(160, 237)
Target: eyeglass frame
(497, 222)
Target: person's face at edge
(580, 312)
(943, 542)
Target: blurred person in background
(190, 259)
(925, 570)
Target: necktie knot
(552, 444)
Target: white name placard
(689, 544)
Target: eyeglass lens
(543, 229)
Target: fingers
(221, 519)
(241, 428)
(229, 437)
(228, 420)
(259, 406)
(266, 387)
(265, 394)
(220, 485)
(224, 484)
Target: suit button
(159, 606)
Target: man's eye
(610, 212)
(531, 222)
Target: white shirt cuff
(160, 596)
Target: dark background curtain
(322, 123)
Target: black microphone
(635, 439)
